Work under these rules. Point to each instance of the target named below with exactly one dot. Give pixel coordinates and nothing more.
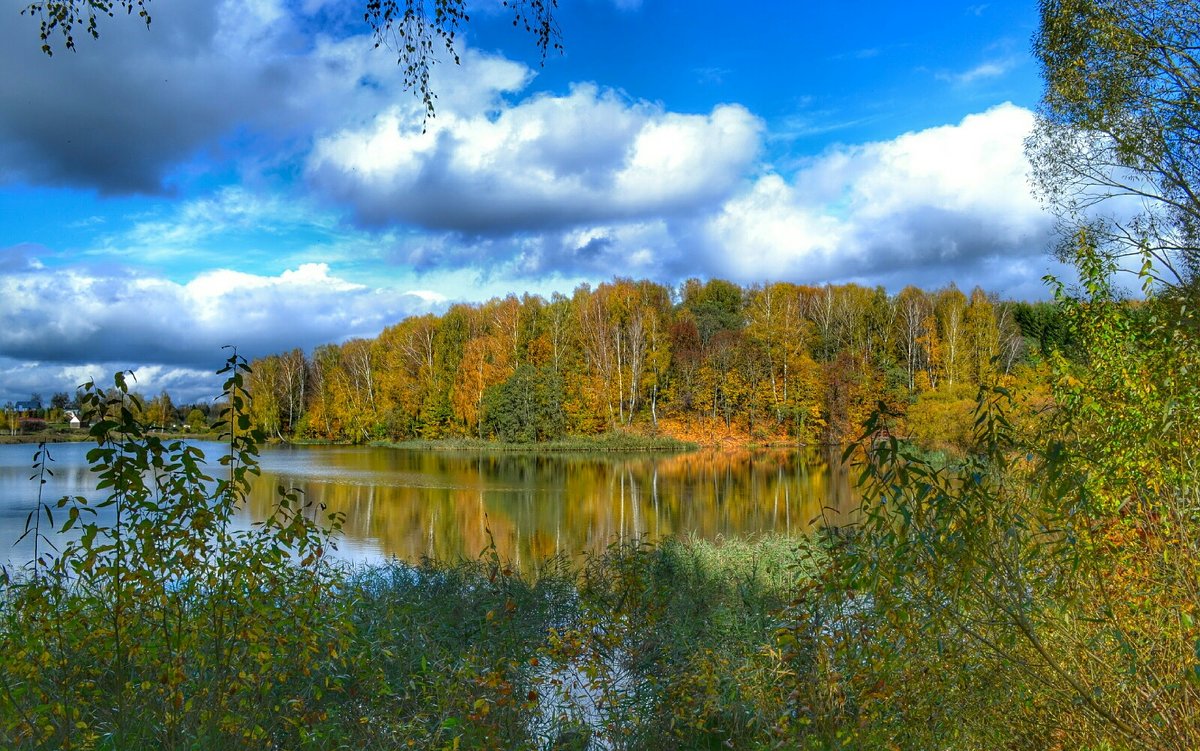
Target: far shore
(80, 435)
(614, 442)
(602, 442)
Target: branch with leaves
(1116, 148)
(415, 30)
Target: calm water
(411, 504)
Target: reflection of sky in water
(410, 504)
(70, 477)
(359, 551)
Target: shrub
(1041, 593)
(942, 419)
(32, 425)
(163, 624)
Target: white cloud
(983, 71)
(80, 314)
(945, 204)
(769, 228)
(545, 162)
(933, 205)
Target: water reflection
(441, 504)
(411, 504)
(68, 475)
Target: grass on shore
(45, 436)
(663, 646)
(76, 435)
(614, 441)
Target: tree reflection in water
(441, 504)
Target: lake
(443, 504)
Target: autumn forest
(708, 362)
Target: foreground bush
(164, 624)
(1043, 593)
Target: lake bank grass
(640, 646)
(69, 435)
(614, 441)
(50, 435)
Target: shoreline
(82, 436)
(610, 442)
(604, 442)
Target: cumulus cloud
(546, 162)
(927, 207)
(126, 110)
(83, 315)
(944, 204)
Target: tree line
(774, 361)
(34, 415)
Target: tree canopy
(772, 362)
(1116, 150)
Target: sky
(253, 172)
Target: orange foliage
(777, 363)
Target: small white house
(73, 419)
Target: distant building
(27, 406)
(73, 419)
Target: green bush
(1041, 593)
(527, 407)
(163, 624)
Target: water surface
(446, 504)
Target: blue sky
(251, 172)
